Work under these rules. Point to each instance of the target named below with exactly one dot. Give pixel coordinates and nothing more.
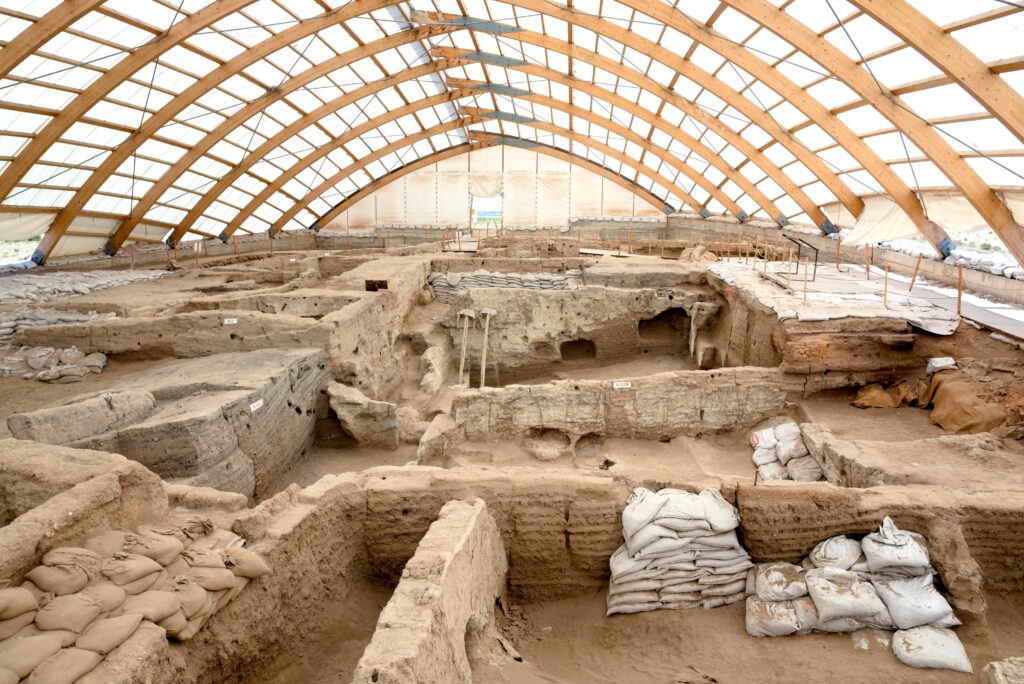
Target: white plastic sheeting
(23, 226)
(538, 191)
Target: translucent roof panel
(215, 117)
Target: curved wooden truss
(936, 43)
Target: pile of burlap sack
(680, 551)
(780, 454)
(884, 581)
(83, 602)
(951, 394)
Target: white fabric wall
(538, 190)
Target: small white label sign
(255, 406)
(622, 384)
(230, 321)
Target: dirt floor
(18, 395)
(571, 641)
(631, 368)
(320, 461)
(333, 656)
(834, 411)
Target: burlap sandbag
(178, 567)
(8, 677)
(107, 593)
(123, 568)
(876, 396)
(21, 656)
(16, 601)
(203, 558)
(240, 584)
(73, 612)
(106, 635)
(174, 624)
(197, 527)
(59, 580)
(213, 579)
(9, 627)
(89, 561)
(958, 408)
(66, 636)
(153, 605)
(245, 563)
(194, 625)
(193, 597)
(65, 667)
(152, 581)
(161, 548)
(215, 540)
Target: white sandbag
(22, 655)
(787, 432)
(913, 602)
(615, 588)
(770, 618)
(625, 608)
(720, 514)
(763, 438)
(804, 469)
(686, 528)
(780, 582)
(65, 666)
(835, 552)
(621, 563)
(738, 566)
(647, 535)
(751, 588)
(806, 614)
(683, 505)
(773, 471)
(893, 549)
(15, 601)
(716, 601)
(931, 647)
(723, 540)
(663, 547)
(764, 456)
(940, 363)
(681, 588)
(790, 449)
(838, 593)
(646, 573)
(632, 597)
(641, 508)
(730, 589)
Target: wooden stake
(629, 249)
(775, 251)
(913, 278)
(650, 244)
(663, 245)
(805, 280)
(199, 250)
(959, 288)
(789, 269)
(271, 239)
(867, 262)
(839, 250)
(618, 248)
(235, 239)
(885, 289)
(131, 256)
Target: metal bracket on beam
(170, 242)
(946, 246)
(223, 237)
(704, 213)
(829, 227)
(508, 116)
(783, 221)
(499, 89)
(505, 140)
(743, 216)
(109, 249)
(315, 227)
(483, 25)
(496, 60)
(38, 258)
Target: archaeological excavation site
(422, 342)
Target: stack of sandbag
(780, 454)
(83, 602)
(884, 581)
(680, 551)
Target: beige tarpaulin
(485, 168)
(616, 200)
(23, 226)
(520, 203)
(881, 220)
(421, 197)
(553, 198)
(453, 191)
(391, 203)
(586, 192)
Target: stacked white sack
(681, 551)
(884, 581)
(780, 454)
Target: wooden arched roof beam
(699, 148)
(42, 30)
(949, 55)
(958, 171)
(482, 139)
(179, 103)
(313, 157)
(241, 116)
(180, 32)
(782, 85)
(814, 164)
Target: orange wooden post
(959, 288)
(629, 249)
(805, 280)
(867, 262)
(650, 244)
(235, 239)
(839, 250)
(131, 256)
(789, 268)
(618, 246)
(913, 278)
(885, 289)
(597, 239)
(199, 250)
(271, 239)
